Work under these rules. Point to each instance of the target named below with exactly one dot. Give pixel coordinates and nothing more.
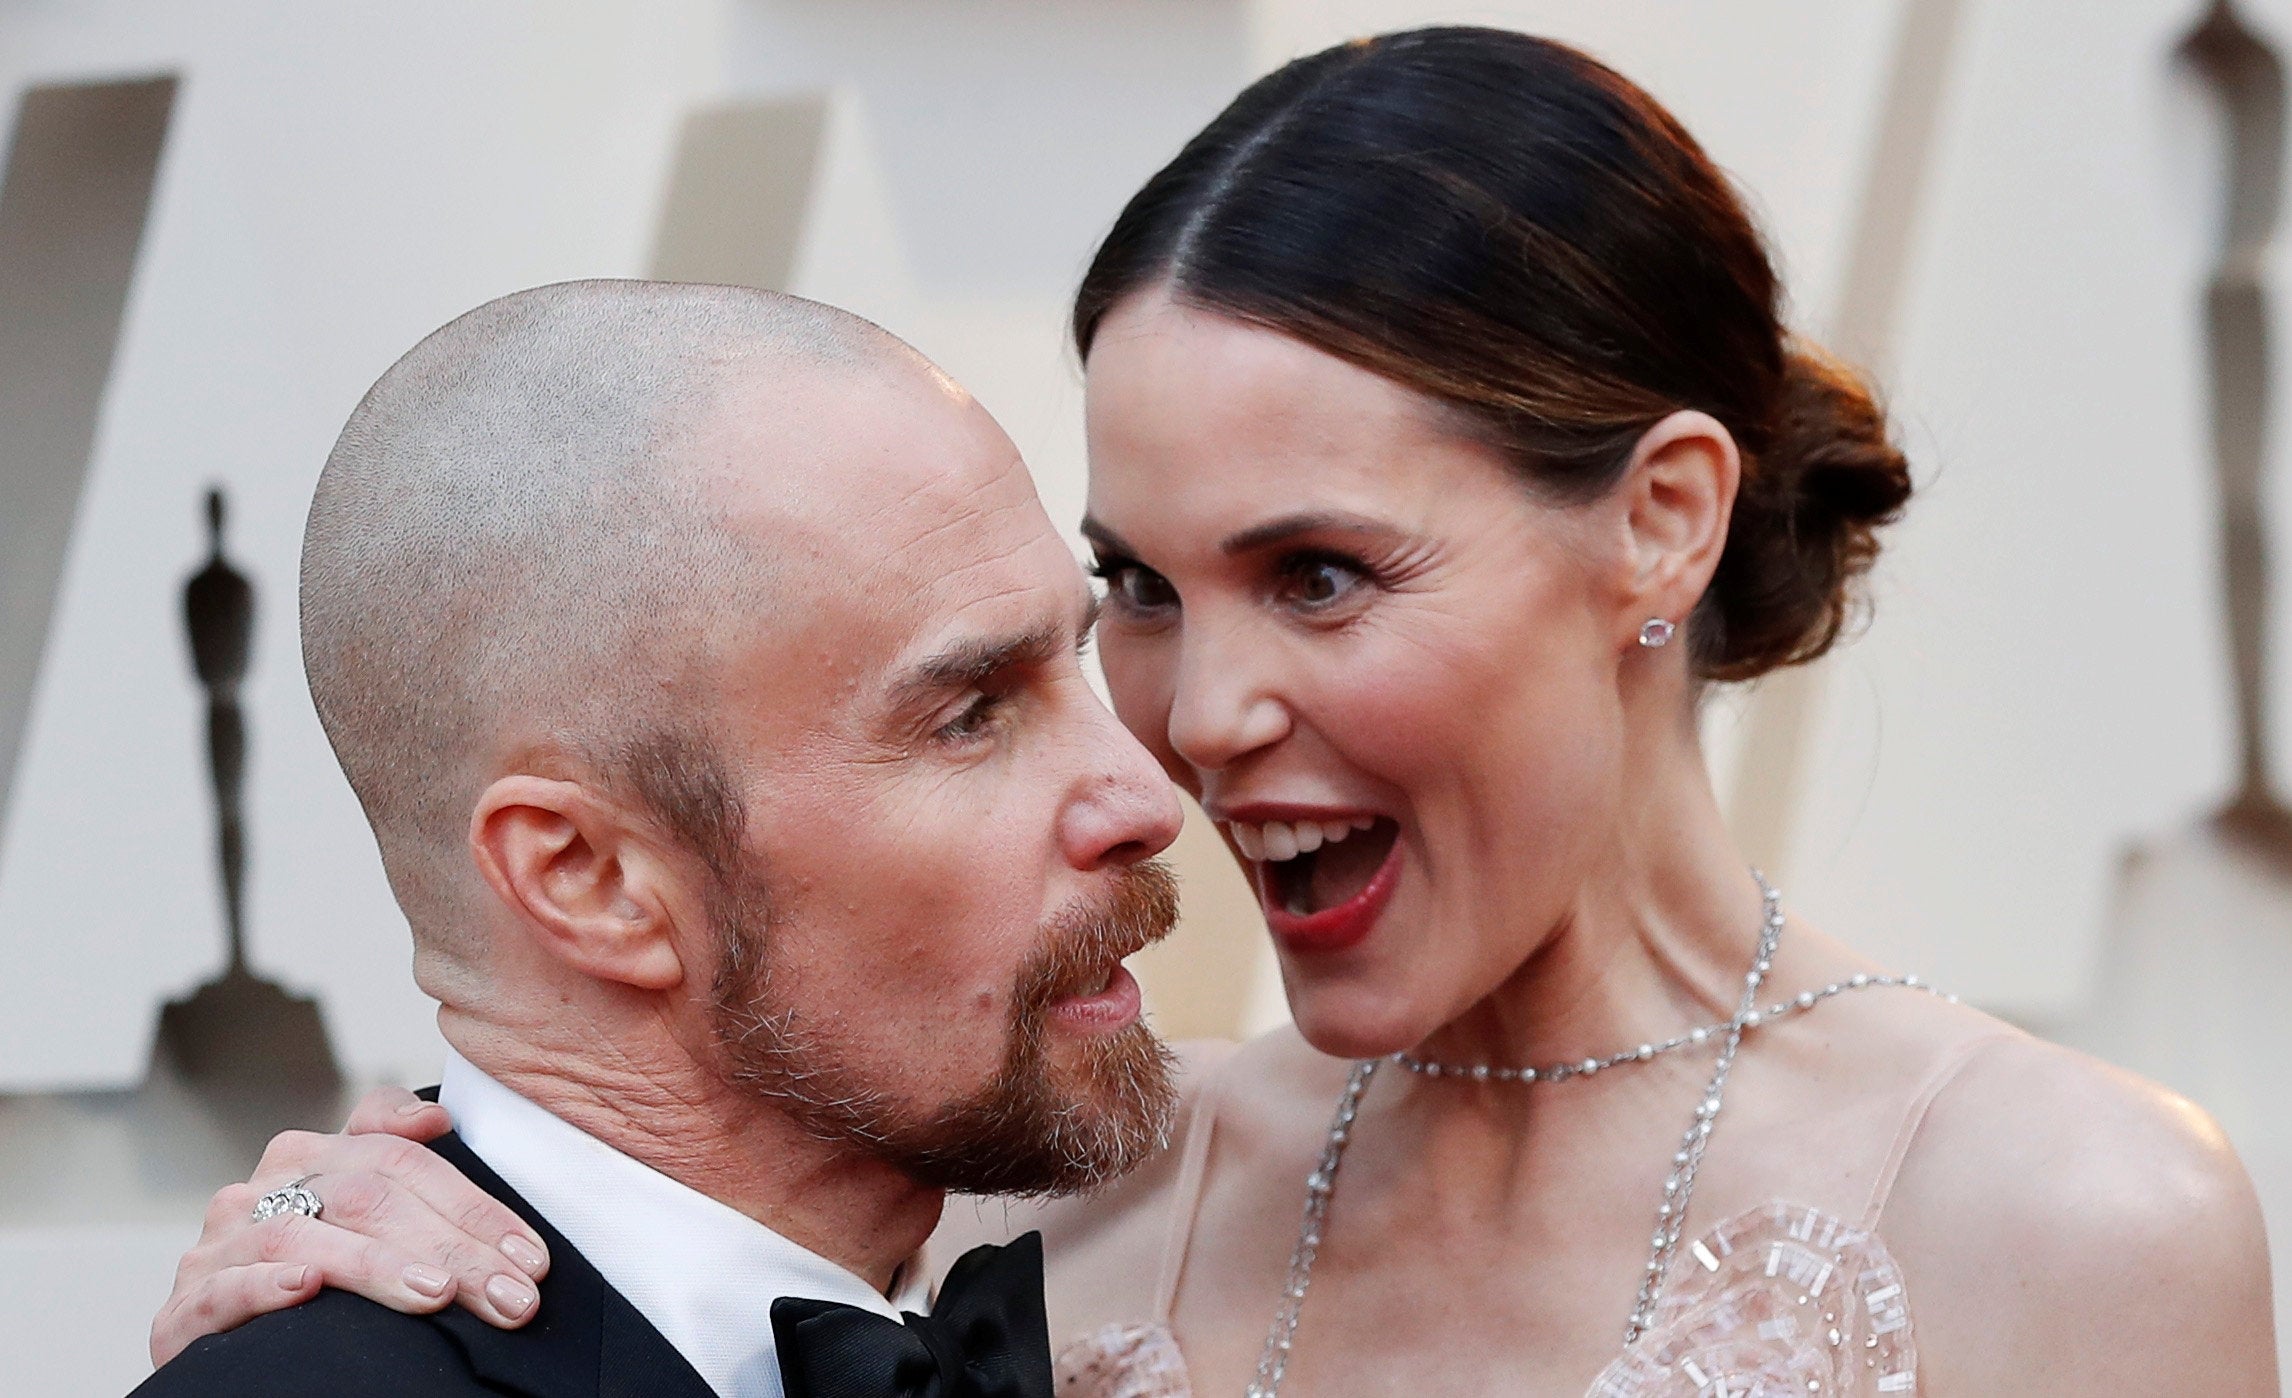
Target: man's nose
(1124, 809)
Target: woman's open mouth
(1322, 879)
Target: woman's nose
(1221, 708)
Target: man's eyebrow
(1275, 531)
(974, 660)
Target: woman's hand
(399, 1226)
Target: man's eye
(1318, 580)
(977, 718)
(1135, 587)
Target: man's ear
(586, 880)
(1678, 495)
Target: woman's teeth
(1276, 841)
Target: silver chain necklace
(1671, 1214)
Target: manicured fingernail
(415, 1108)
(292, 1278)
(513, 1297)
(529, 1259)
(427, 1279)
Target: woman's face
(1389, 673)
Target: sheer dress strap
(1946, 1070)
(1193, 1164)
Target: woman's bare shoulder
(1104, 1251)
(1102, 1248)
(2069, 1226)
(2075, 1150)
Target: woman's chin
(1352, 1021)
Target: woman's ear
(589, 883)
(1679, 493)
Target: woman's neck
(1655, 941)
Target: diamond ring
(293, 1199)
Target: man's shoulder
(337, 1344)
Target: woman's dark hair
(1518, 232)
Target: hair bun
(1805, 527)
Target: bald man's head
(607, 576)
(510, 547)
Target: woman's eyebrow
(1104, 537)
(1276, 531)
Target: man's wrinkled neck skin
(657, 1105)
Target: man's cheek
(944, 995)
(950, 1048)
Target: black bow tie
(986, 1337)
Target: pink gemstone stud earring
(1656, 633)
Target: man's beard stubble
(1024, 1132)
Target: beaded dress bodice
(1783, 1301)
(1784, 1298)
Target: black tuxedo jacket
(587, 1340)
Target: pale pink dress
(1781, 1301)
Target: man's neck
(670, 1114)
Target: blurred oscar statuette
(2246, 80)
(244, 1045)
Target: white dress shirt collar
(703, 1273)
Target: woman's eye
(1137, 588)
(1317, 582)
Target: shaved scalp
(509, 558)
